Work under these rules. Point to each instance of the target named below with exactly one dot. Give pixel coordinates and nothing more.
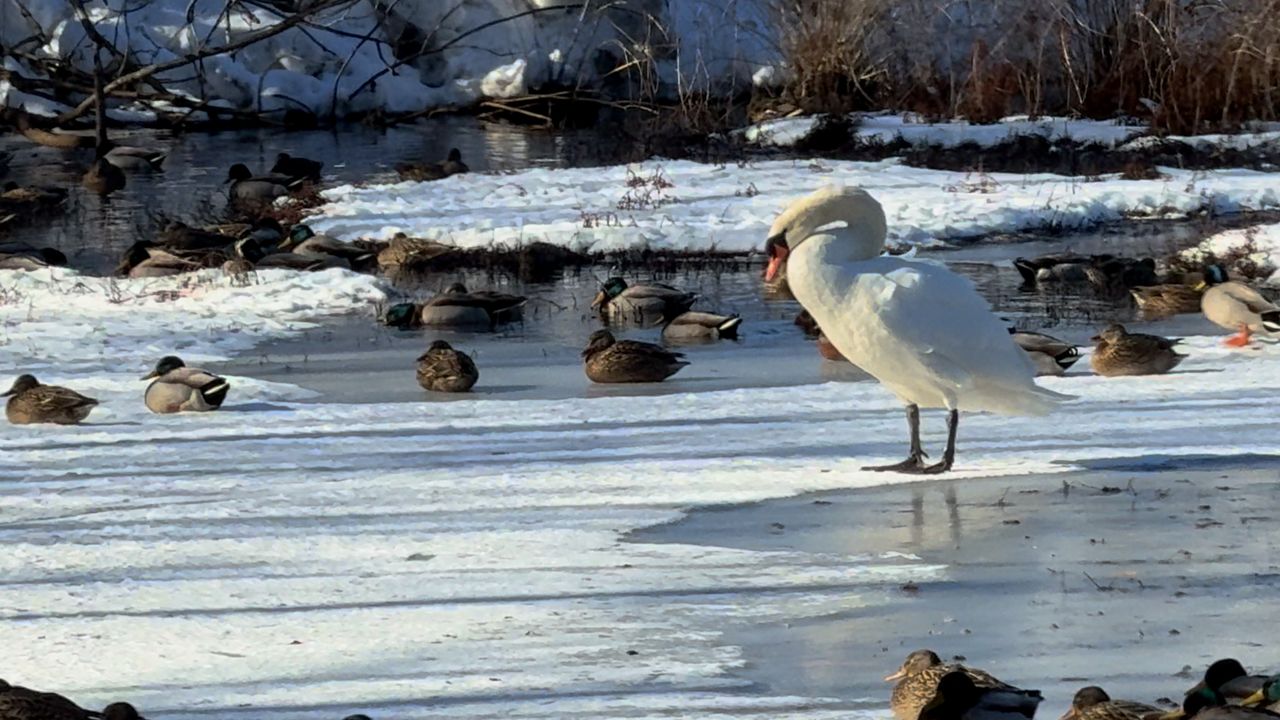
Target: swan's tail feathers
(1018, 400)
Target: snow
(887, 128)
(1265, 243)
(729, 208)
(343, 61)
(306, 560)
(58, 319)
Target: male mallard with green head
(1205, 703)
(919, 677)
(608, 360)
(177, 388)
(648, 304)
(1267, 696)
(443, 369)
(1228, 677)
(31, 402)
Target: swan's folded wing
(940, 319)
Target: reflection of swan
(921, 330)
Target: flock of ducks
(926, 688)
(443, 368)
(929, 689)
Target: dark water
(95, 230)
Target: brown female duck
(31, 402)
(608, 360)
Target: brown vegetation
(1185, 67)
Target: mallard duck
(648, 304)
(134, 159)
(143, 259)
(62, 140)
(103, 177)
(443, 369)
(1177, 298)
(177, 388)
(956, 697)
(17, 200)
(428, 171)
(1103, 272)
(407, 254)
(1208, 704)
(699, 326)
(1236, 306)
(180, 237)
(18, 255)
(304, 241)
(608, 360)
(297, 168)
(30, 402)
(1228, 677)
(1119, 352)
(921, 672)
(1093, 703)
(247, 188)
(457, 307)
(262, 259)
(1268, 695)
(1050, 355)
(20, 703)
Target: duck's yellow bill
(1201, 286)
(1257, 698)
(1173, 715)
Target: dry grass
(1185, 66)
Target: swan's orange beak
(777, 249)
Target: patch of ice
(280, 560)
(729, 208)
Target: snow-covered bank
(683, 205)
(889, 128)
(464, 559)
(1258, 247)
(350, 58)
(59, 320)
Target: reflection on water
(95, 230)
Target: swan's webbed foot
(937, 468)
(913, 465)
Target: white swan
(924, 332)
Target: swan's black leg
(948, 455)
(915, 460)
